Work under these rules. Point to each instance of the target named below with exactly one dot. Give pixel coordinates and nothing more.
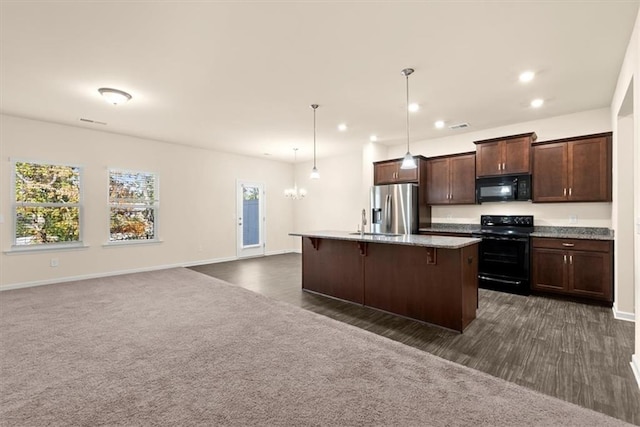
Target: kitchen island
(427, 278)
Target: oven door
(504, 263)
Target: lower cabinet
(573, 267)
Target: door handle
(568, 245)
(570, 259)
(499, 166)
(569, 190)
(564, 191)
(503, 166)
(565, 259)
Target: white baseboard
(635, 367)
(623, 315)
(121, 272)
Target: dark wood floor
(572, 351)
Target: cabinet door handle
(570, 259)
(569, 190)
(564, 191)
(499, 166)
(503, 166)
(568, 245)
(565, 259)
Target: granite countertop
(444, 242)
(592, 233)
(452, 228)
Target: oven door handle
(517, 239)
(491, 279)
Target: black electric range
(504, 253)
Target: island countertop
(444, 242)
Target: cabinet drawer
(572, 244)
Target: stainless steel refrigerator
(394, 208)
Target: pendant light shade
(314, 172)
(408, 162)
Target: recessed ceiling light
(527, 76)
(536, 103)
(114, 96)
(439, 124)
(414, 107)
(342, 127)
(373, 138)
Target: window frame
(155, 205)
(15, 247)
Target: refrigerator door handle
(387, 214)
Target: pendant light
(408, 162)
(314, 172)
(295, 193)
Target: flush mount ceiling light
(373, 138)
(414, 107)
(537, 103)
(439, 124)
(408, 162)
(526, 76)
(295, 193)
(314, 172)
(342, 127)
(114, 96)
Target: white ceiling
(240, 76)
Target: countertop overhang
(444, 242)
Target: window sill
(131, 243)
(33, 249)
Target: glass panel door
(250, 219)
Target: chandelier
(295, 193)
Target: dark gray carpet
(176, 347)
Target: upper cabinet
(573, 169)
(504, 156)
(451, 179)
(389, 171)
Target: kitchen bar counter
(444, 242)
(432, 279)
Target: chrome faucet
(364, 221)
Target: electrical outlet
(573, 219)
(53, 262)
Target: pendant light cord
(407, 76)
(314, 136)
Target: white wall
(197, 220)
(333, 202)
(625, 209)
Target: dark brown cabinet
(389, 171)
(504, 156)
(573, 267)
(451, 179)
(573, 169)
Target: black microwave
(503, 188)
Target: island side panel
(334, 268)
(398, 279)
(469, 278)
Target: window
(47, 204)
(133, 203)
